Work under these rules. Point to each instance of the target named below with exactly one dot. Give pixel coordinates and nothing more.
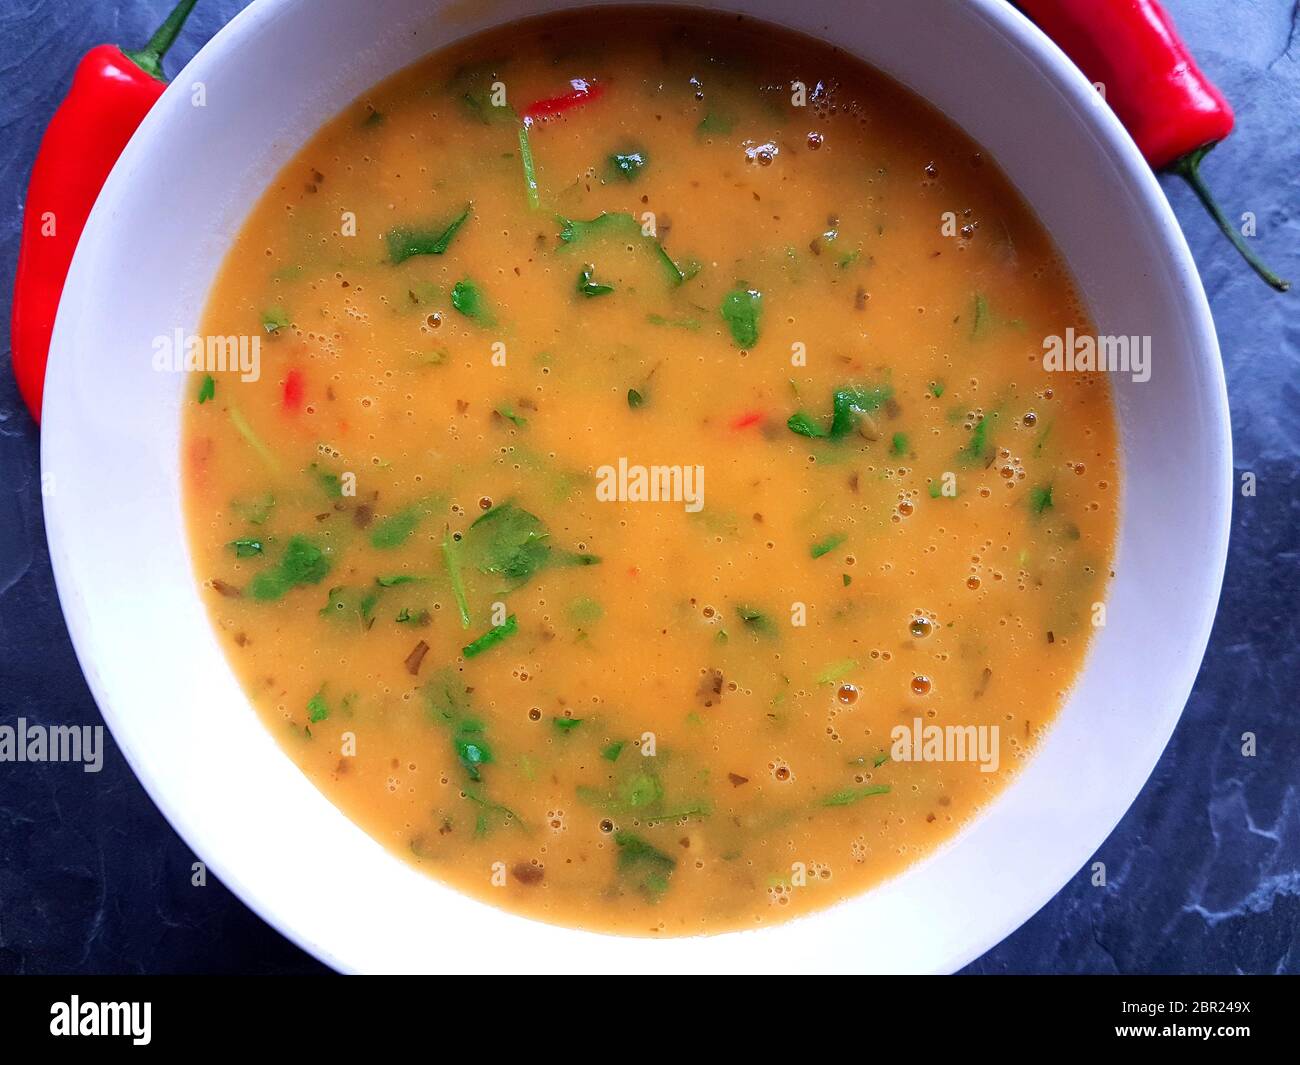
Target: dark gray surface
(1203, 872)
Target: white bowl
(118, 542)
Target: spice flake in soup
(652, 512)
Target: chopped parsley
(317, 709)
(274, 319)
(846, 404)
(302, 563)
(396, 529)
(849, 796)
(406, 243)
(492, 637)
(756, 621)
(647, 867)
(980, 314)
(468, 300)
(741, 309)
(1040, 499)
(829, 544)
(588, 287)
(627, 166)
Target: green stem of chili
(1189, 169)
(150, 57)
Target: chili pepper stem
(150, 57)
(1188, 167)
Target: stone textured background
(1204, 871)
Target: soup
(645, 506)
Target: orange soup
(649, 509)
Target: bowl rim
(1005, 20)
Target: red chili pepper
(747, 419)
(111, 93)
(583, 91)
(1171, 109)
(294, 389)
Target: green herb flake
(978, 445)
(589, 287)
(317, 709)
(274, 319)
(396, 579)
(246, 548)
(448, 704)
(635, 399)
(837, 671)
(330, 483)
(585, 611)
(640, 790)
(648, 867)
(574, 231)
(804, 425)
(980, 315)
(714, 122)
(1040, 499)
(471, 748)
(847, 404)
(395, 529)
(510, 542)
(469, 301)
(302, 563)
(826, 546)
(492, 637)
(693, 324)
(756, 621)
(611, 753)
(406, 243)
(255, 511)
(898, 445)
(741, 309)
(566, 724)
(849, 796)
(626, 166)
(452, 562)
(207, 389)
(357, 605)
